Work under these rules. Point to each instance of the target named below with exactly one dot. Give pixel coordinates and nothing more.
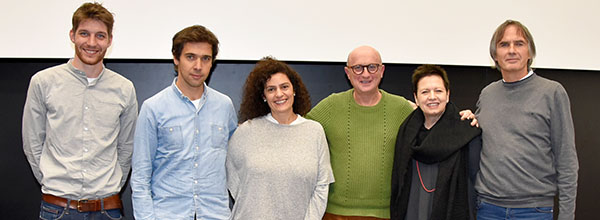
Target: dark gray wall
(21, 194)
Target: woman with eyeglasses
(277, 162)
(437, 155)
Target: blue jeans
(50, 212)
(486, 211)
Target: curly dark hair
(252, 101)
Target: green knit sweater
(361, 142)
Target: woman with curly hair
(277, 161)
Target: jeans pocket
(477, 204)
(544, 209)
(50, 211)
(113, 214)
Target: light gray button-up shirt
(78, 135)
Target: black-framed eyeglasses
(371, 68)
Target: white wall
(436, 31)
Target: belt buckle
(79, 202)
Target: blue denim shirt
(178, 165)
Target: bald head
(363, 53)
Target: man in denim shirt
(181, 139)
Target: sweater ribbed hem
(527, 202)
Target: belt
(85, 205)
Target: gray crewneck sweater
(277, 171)
(528, 153)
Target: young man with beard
(78, 125)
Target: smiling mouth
(280, 101)
(432, 104)
(90, 51)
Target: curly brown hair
(252, 101)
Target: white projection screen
(454, 32)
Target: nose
(365, 71)
(431, 96)
(198, 64)
(511, 48)
(92, 40)
(278, 93)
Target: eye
(100, 36)
(190, 57)
(270, 89)
(357, 68)
(206, 58)
(503, 44)
(372, 68)
(519, 43)
(83, 34)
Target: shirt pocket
(218, 136)
(170, 137)
(107, 116)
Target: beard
(93, 60)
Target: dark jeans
(50, 212)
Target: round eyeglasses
(371, 68)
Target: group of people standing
(358, 154)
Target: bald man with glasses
(361, 125)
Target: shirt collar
(298, 120)
(180, 94)
(524, 77)
(81, 75)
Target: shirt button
(220, 128)
(195, 165)
(83, 189)
(85, 149)
(197, 131)
(84, 170)
(86, 108)
(85, 129)
(195, 196)
(195, 181)
(170, 129)
(197, 148)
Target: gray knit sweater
(528, 154)
(277, 171)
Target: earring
(294, 94)
(264, 100)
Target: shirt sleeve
(125, 138)
(565, 154)
(34, 126)
(233, 178)
(144, 151)
(318, 201)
